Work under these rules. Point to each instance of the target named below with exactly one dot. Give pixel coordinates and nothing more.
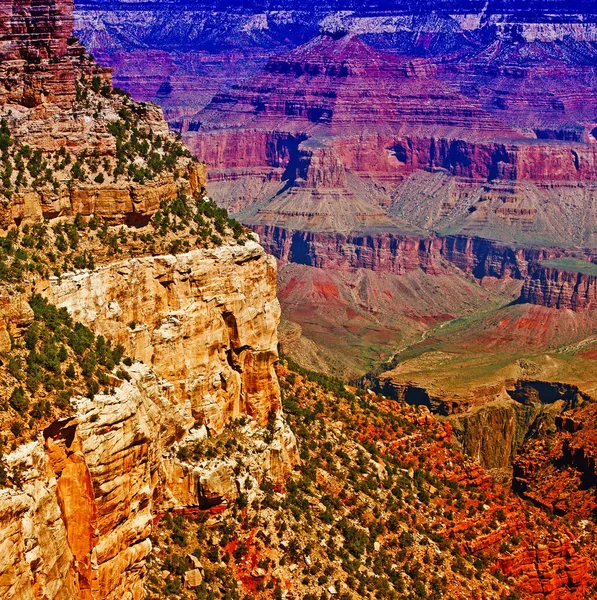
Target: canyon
(425, 172)
(425, 179)
(389, 140)
(386, 153)
(153, 442)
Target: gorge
(153, 441)
(424, 176)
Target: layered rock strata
(205, 321)
(560, 288)
(492, 423)
(400, 253)
(66, 152)
(79, 527)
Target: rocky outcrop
(491, 424)
(78, 503)
(78, 522)
(35, 550)
(33, 30)
(493, 432)
(515, 161)
(548, 568)
(205, 321)
(59, 105)
(559, 288)
(87, 490)
(92, 484)
(80, 525)
(131, 203)
(557, 468)
(488, 258)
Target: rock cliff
(72, 143)
(561, 288)
(366, 121)
(108, 407)
(205, 321)
(35, 30)
(79, 526)
(402, 252)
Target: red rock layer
(34, 30)
(515, 161)
(232, 153)
(558, 288)
(36, 50)
(396, 253)
(386, 115)
(346, 85)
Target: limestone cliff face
(202, 327)
(80, 526)
(205, 321)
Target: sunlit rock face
(80, 525)
(205, 321)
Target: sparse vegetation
(380, 507)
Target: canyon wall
(63, 113)
(81, 488)
(205, 321)
(36, 46)
(34, 30)
(560, 288)
(131, 203)
(204, 325)
(79, 526)
(558, 470)
(401, 253)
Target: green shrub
(19, 401)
